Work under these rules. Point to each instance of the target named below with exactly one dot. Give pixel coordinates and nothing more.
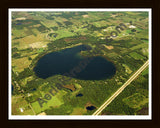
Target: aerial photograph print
(79, 63)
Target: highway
(106, 103)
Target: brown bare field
(143, 111)
(85, 16)
(21, 18)
(110, 21)
(60, 19)
(74, 39)
(69, 40)
(108, 47)
(107, 113)
(71, 87)
(27, 23)
(37, 25)
(89, 104)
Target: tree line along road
(106, 103)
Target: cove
(65, 60)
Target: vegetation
(132, 100)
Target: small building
(29, 94)
(131, 26)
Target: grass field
(25, 80)
(56, 101)
(128, 70)
(78, 111)
(136, 100)
(100, 23)
(49, 23)
(21, 63)
(17, 103)
(28, 41)
(142, 45)
(64, 33)
(19, 33)
(136, 56)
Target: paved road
(121, 89)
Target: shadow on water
(64, 61)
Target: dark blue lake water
(79, 95)
(65, 60)
(90, 108)
(12, 88)
(18, 23)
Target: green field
(142, 45)
(136, 100)
(136, 55)
(56, 101)
(146, 71)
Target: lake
(65, 60)
(90, 108)
(79, 95)
(12, 88)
